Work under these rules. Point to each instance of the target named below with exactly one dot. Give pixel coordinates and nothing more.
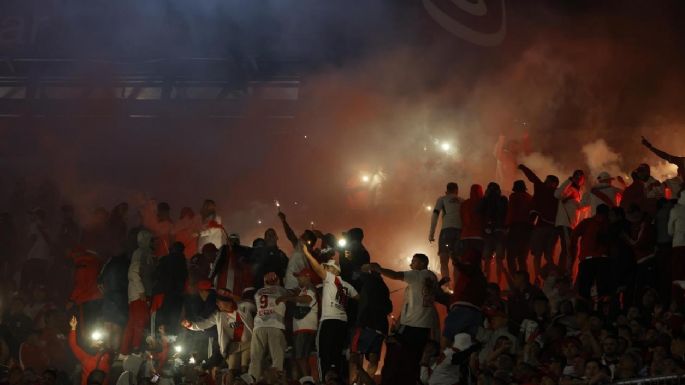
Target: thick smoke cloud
(583, 83)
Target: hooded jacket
(676, 223)
(596, 195)
(568, 212)
(545, 204)
(141, 268)
(520, 206)
(86, 270)
(471, 220)
(493, 209)
(653, 188)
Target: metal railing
(665, 380)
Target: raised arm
(396, 275)
(73, 344)
(434, 219)
(289, 233)
(316, 266)
(530, 175)
(660, 153)
(303, 299)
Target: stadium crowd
(576, 283)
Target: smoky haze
(409, 106)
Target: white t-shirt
(444, 373)
(336, 293)
(310, 321)
(40, 248)
(268, 313)
(419, 298)
(450, 207)
(214, 235)
(296, 263)
(247, 310)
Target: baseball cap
(331, 263)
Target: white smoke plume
(599, 157)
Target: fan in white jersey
(234, 321)
(331, 339)
(268, 334)
(305, 319)
(449, 205)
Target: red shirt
(86, 269)
(592, 233)
(162, 356)
(88, 362)
(471, 221)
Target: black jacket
(374, 303)
(171, 274)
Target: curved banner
(465, 19)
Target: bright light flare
(342, 242)
(428, 208)
(278, 204)
(97, 335)
(365, 178)
(178, 348)
(444, 146)
(259, 221)
(191, 360)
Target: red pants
(138, 317)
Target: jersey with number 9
(270, 314)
